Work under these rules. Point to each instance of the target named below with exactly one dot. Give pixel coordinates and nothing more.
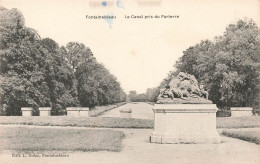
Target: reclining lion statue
(183, 88)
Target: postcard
(129, 81)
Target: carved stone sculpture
(183, 89)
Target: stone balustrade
(45, 111)
(241, 111)
(84, 112)
(27, 111)
(77, 111)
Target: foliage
(60, 78)
(22, 63)
(76, 54)
(152, 94)
(37, 72)
(227, 66)
(134, 97)
(96, 86)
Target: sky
(139, 52)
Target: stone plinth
(241, 111)
(26, 111)
(185, 123)
(45, 111)
(77, 111)
(126, 113)
(84, 112)
(73, 111)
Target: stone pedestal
(73, 111)
(26, 111)
(77, 111)
(84, 112)
(241, 111)
(45, 111)
(185, 123)
(126, 113)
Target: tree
(33, 71)
(134, 97)
(22, 81)
(76, 53)
(60, 78)
(152, 94)
(96, 86)
(36, 72)
(227, 66)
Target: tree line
(37, 72)
(150, 95)
(228, 66)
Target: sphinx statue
(183, 89)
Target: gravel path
(139, 110)
(138, 149)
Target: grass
(46, 139)
(99, 110)
(238, 122)
(222, 122)
(250, 136)
(78, 121)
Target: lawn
(78, 121)
(250, 136)
(238, 122)
(47, 139)
(222, 122)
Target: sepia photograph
(130, 81)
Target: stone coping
(185, 108)
(126, 110)
(44, 108)
(84, 109)
(241, 108)
(77, 109)
(26, 108)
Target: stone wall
(73, 111)
(241, 111)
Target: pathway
(138, 149)
(140, 110)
